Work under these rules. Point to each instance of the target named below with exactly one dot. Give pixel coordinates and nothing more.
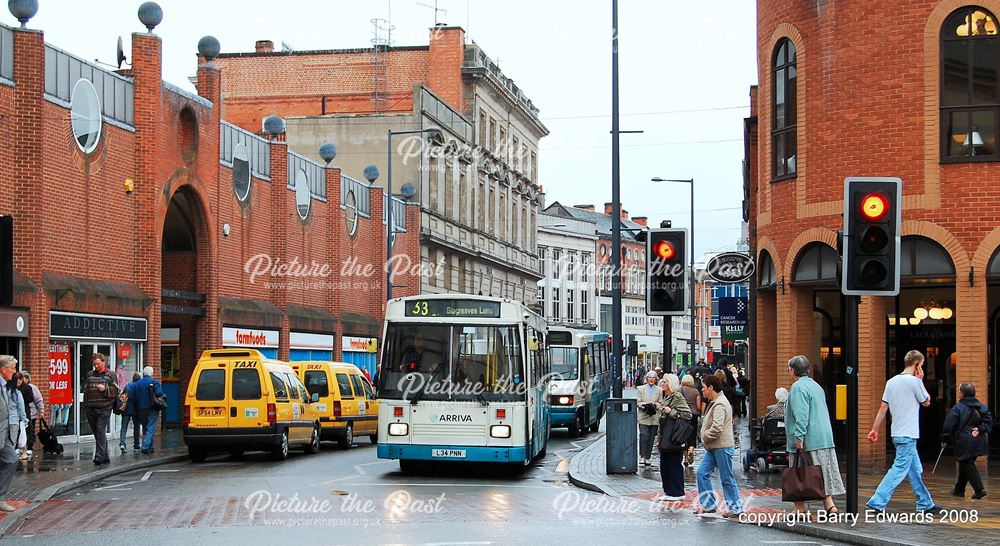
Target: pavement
(46, 475)
(762, 501)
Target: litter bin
(622, 437)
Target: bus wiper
(416, 396)
(481, 398)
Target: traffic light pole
(616, 215)
(668, 349)
(851, 361)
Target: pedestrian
(99, 394)
(143, 390)
(693, 398)
(903, 396)
(37, 411)
(966, 428)
(659, 373)
(744, 390)
(717, 437)
(10, 402)
(777, 410)
(673, 409)
(729, 390)
(807, 426)
(28, 397)
(648, 398)
(130, 414)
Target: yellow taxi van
(347, 404)
(238, 400)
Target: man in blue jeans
(903, 396)
(140, 391)
(717, 437)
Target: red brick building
(916, 97)
(144, 224)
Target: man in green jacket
(807, 428)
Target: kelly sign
(731, 267)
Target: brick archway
(807, 237)
(987, 248)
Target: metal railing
(315, 173)
(362, 194)
(63, 70)
(257, 147)
(445, 115)
(398, 213)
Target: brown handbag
(802, 482)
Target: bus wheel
(574, 428)
(407, 466)
(596, 425)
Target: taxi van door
(298, 432)
(208, 405)
(317, 381)
(348, 403)
(364, 424)
(247, 406)
(371, 406)
(281, 397)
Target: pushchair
(767, 445)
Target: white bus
(581, 382)
(462, 378)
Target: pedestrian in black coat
(966, 428)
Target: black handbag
(674, 434)
(157, 402)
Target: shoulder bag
(802, 482)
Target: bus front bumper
(471, 453)
(562, 415)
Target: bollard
(622, 436)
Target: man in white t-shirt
(903, 396)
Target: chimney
(624, 214)
(264, 46)
(588, 208)
(641, 220)
(607, 209)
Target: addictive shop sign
(80, 326)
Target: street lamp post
(689, 181)
(389, 230)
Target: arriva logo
(451, 418)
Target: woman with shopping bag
(810, 436)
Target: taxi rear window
(345, 386)
(211, 385)
(280, 390)
(316, 383)
(246, 384)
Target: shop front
(74, 338)
(310, 346)
(13, 332)
(265, 341)
(361, 352)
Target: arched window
(784, 111)
(970, 88)
(925, 259)
(816, 263)
(766, 276)
(993, 272)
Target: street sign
(731, 267)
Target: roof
(602, 222)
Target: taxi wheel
(280, 451)
(373, 438)
(348, 440)
(313, 446)
(197, 455)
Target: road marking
(144, 478)
(501, 485)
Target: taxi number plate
(448, 453)
(210, 412)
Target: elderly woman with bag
(807, 426)
(648, 398)
(675, 433)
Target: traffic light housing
(871, 237)
(666, 272)
(6, 261)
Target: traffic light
(872, 223)
(6, 261)
(666, 273)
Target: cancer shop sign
(60, 374)
(733, 318)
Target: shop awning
(311, 319)
(358, 324)
(81, 288)
(23, 284)
(259, 313)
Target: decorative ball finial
(327, 152)
(274, 125)
(371, 173)
(23, 10)
(208, 47)
(150, 15)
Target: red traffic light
(874, 206)
(664, 250)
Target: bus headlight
(500, 431)
(564, 400)
(398, 429)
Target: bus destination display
(453, 308)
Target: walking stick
(938, 460)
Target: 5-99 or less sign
(60, 374)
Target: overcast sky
(674, 56)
